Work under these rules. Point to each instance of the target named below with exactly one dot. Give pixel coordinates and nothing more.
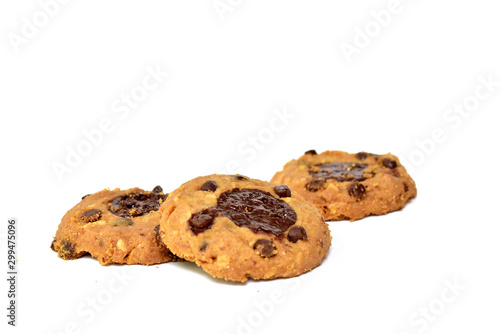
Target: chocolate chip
(340, 171)
(52, 244)
(209, 186)
(122, 222)
(356, 190)
(86, 196)
(362, 155)
(156, 232)
(157, 189)
(311, 152)
(257, 210)
(240, 178)
(282, 191)
(297, 233)
(67, 250)
(389, 163)
(395, 173)
(91, 216)
(315, 185)
(67, 247)
(265, 248)
(136, 204)
(203, 246)
(202, 221)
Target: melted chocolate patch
(256, 210)
(340, 171)
(265, 248)
(297, 233)
(240, 177)
(136, 204)
(311, 152)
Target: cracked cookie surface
(237, 228)
(114, 226)
(349, 186)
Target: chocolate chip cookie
(349, 186)
(237, 228)
(114, 226)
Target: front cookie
(349, 186)
(238, 228)
(118, 226)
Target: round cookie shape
(349, 186)
(243, 228)
(114, 226)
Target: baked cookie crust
(114, 226)
(237, 228)
(346, 186)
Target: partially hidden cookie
(237, 228)
(114, 226)
(349, 186)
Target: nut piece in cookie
(237, 228)
(114, 226)
(349, 186)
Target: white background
(229, 74)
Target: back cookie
(349, 186)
